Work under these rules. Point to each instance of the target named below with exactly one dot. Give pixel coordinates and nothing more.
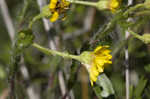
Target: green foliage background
(72, 36)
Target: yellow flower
(95, 61)
(57, 8)
(114, 4)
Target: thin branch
(47, 24)
(62, 84)
(7, 19)
(127, 60)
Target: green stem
(142, 13)
(44, 13)
(145, 37)
(132, 9)
(34, 19)
(135, 35)
(94, 4)
(54, 52)
(13, 70)
(26, 4)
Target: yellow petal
(91, 82)
(106, 51)
(54, 17)
(114, 3)
(93, 77)
(52, 4)
(109, 56)
(94, 71)
(100, 69)
(99, 61)
(97, 49)
(109, 62)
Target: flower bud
(108, 5)
(146, 38)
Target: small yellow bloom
(96, 60)
(100, 57)
(114, 4)
(54, 17)
(57, 8)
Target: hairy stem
(54, 52)
(33, 20)
(84, 3)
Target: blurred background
(52, 77)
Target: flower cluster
(96, 62)
(57, 8)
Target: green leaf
(131, 91)
(147, 92)
(139, 88)
(104, 82)
(147, 68)
(2, 73)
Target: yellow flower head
(96, 60)
(114, 4)
(57, 8)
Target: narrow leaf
(140, 87)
